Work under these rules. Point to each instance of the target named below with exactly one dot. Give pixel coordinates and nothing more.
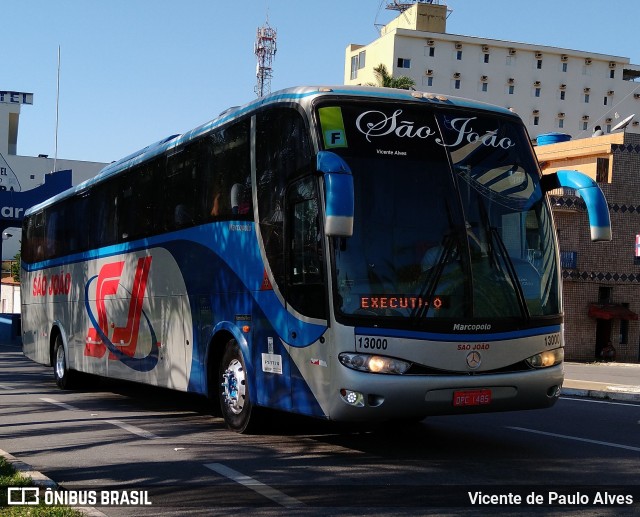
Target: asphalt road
(124, 436)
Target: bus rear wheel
(63, 376)
(237, 409)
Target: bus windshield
(450, 220)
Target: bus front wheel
(61, 373)
(233, 389)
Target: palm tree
(386, 80)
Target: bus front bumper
(369, 397)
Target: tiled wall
(609, 264)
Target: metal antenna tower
(265, 50)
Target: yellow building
(601, 281)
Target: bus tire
(233, 387)
(63, 376)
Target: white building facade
(552, 89)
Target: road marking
(122, 425)
(601, 402)
(5, 387)
(577, 439)
(255, 485)
(133, 429)
(60, 404)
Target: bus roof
(295, 94)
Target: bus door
(306, 289)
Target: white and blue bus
(348, 253)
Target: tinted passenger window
(228, 173)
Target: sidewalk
(608, 381)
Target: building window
(512, 89)
(456, 84)
(560, 123)
(536, 120)
(585, 126)
(361, 59)
(602, 170)
(612, 74)
(427, 81)
(485, 87)
(536, 92)
(586, 98)
(486, 58)
(606, 100)
(539, 64)
(459, 55)
(511, 60)
(432, 51)
(608, 128)
(605, 294)
(357, 63)
(565, 66)
(562, 95)
(404, 63)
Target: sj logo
(122, 342)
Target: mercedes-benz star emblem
(473, 360)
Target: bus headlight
(374, 363)
(546, 358)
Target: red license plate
(472, 398)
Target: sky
(135, 71)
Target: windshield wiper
(494, 236)
(431, 282)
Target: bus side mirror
(590, 193)
(339, 195)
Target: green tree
(385, 79)
(15, 267)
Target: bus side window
(180, 193)
(34, 249)
(227, 173)
(104, 204)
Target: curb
(611, 393)
(37, 478)
(41, 481)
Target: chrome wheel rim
(60, 362)
(234, 387)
